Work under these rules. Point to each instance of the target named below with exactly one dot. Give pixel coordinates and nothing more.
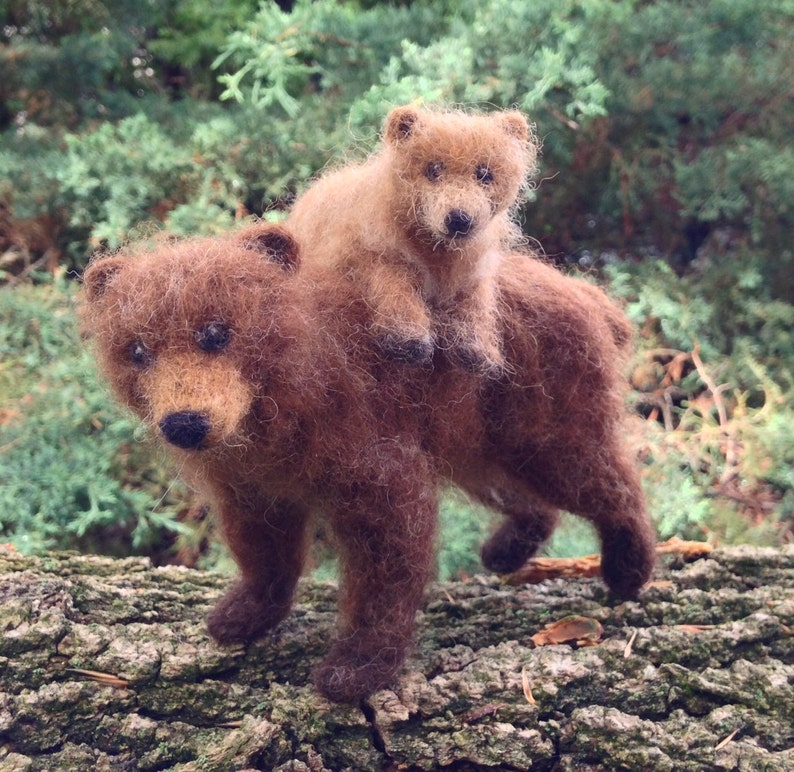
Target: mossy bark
(706, 684)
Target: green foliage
(284, 59)
(658, 119)
(723, 469)
(112, 177)
(573, 538)
(72, 473)
(727, 310)
(664, 123)
(66, 62)
(190, 36)
(464, 527)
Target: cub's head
(189, 333)
(454, 172)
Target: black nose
(186, 429)
(458, 223)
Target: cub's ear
(400, 124)
(275, 242)
(98, 275)
(514, 124)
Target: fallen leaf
(108, 679)
(629, 645)
(538, 570)
(694, 628)
(726, 740)
(582, 631)
(526, 687)
(687, 549)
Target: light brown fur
(422, 225)
(265, 383)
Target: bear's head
(455, 172)
(190, 333)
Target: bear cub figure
(422, 225)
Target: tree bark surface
(106, 665)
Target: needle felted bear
(421, 225)
(264, 382)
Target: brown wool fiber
(264, 381)
(421, 227)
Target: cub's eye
(214, 336)
(140, 354)
(433, 170)
(483, 174)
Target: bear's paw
(628, 556)
(350, 674)
(242, 616)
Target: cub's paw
(347, 676)
(474, 359)
(475, 354)
(628, 557)
(241, 616)
(407, 351)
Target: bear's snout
(186, 429)
(458, 223)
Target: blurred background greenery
(667, 175)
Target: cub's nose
(186, 429)
(458, 223)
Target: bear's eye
(433, 170)
(140, 354)
(483, 174)
(214, 336)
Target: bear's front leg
(386, 535)
(268, 541)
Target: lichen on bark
(106, 665)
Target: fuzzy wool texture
(422, 226)
(258, 368)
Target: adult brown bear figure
(277, 405)
(422, 226)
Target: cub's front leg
(401, 322)
(468, 330)
(267, 538)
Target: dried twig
(729, 444)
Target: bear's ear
(98, 275)
(400, 124)
(515, 124)
(276, 243)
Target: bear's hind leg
(269, 548)
(528, 521)
(518, 538)
(598, 482)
